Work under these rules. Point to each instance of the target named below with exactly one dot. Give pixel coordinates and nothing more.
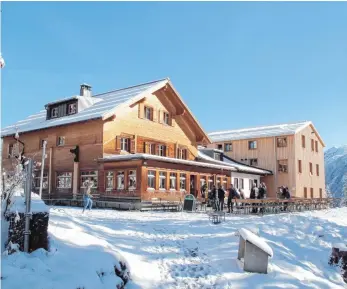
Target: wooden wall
(129, 121)
(306, 155)
(88, 135)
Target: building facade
(293, 152)
(136, 143)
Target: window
(125, 144)
(303, 141)
(162, 180)
(281, 142)
(148, 113)
(64, 180)
(236, 183)
(54, 112)
(250, 184)
(283, 166)
(311, 169)
(90, 176)
(72, 108)
(241, 184)
(151, 149)
(162, 150)
(182, 182)
(37, 178)
(228, 147)
(321, 193)
(210, 183)
(166, 118)
(252, 145)
(61, 141)
(151, 180)
(311, 191)
(182, 154)
(305, 192)
(132, 180)
(220, 147)
(217, 156)
(312, 145)
(109, 180)
(202, 181)
(11, 150)
(253, 162)
(173, 181)
(300, 166)
(316, 146)
(224, 184)
(120, 180)
(218, 182)
(41, 143)
(317, 169)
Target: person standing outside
(221, 196)
(232, 195)
(253, 196)
(87, 196)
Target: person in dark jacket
(261, 196)
(213, 197)
(221, 196)
(254, 195)
(203, 193)
(285, 195)
(232, 195)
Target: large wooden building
(135, 143)
(293, 152)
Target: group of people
(215, 198)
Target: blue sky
(235, 64)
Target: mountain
(336, 170)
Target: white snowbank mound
(18, 205)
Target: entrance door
(193, 190)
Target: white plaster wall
(246, 178)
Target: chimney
(86, 90)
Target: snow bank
(18, 204)
(255, 240)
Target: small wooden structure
(254, 252)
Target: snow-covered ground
(179, 250)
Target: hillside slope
(336, 169)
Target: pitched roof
(105, 102)
(230, 162)
(260, 131)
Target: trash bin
(189, 204)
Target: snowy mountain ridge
(336, 169)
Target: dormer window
(72, 108)
(54, 112)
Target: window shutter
(141, 110)
(145, 147)
(164, 148)
(118, 147)
(132, 146)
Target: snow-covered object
(256, 240)
(111, 157)
(37, 205)
(104, 104)
(228, 162)
(340, 246)
(260, 131)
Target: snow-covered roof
(257, 132)
(111, 157)
(107, 102)
(228, 162)
(256, 240)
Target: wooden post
(50, 173)
(75, 179)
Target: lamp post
(42, 165)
